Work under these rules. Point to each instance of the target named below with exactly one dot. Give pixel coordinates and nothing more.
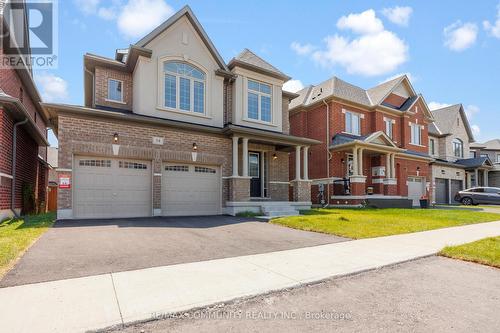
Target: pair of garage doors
(111, 188)
(444, 193)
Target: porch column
(476, 177)
(306, 163)
(355, 168)
(360, 161)
(245, 157)
(235, 156)
(485, 179)
(297, 162)
(393, 166)
(388, 166)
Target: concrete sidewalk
(110, 299)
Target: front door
(255, 172)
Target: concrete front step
(279, 213)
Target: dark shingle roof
(342, 138)
(248, 57)
(473, 162)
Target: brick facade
(29, 170)
(102, 76)
(312, 122)
(94, 137)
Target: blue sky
(451, 49)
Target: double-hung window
(352, 123)
(115, 90)
(184, 87)
(498, 158)
(416, 134)
(389, 128)
(259, 101)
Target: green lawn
(368, 223)
(485, 251)
(16, 235)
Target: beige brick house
(168, 129)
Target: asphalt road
(429, 295)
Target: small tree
(29, 204)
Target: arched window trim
(458, 147)
(184, 87)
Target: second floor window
(184, 87)
(352, 123)
(458, 148)
(498, 158)
(259, 101)
(432, 147)
(388, 127)
(115, 90)
(416, 134)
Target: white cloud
(139, 17)
(369, 55)
(87, 6)
(437, 105)
(493, 28)
(293, 85)
(460, 36)
(476, 130)
(302, 49)
(410, 76)
(363, 23)
(471, 111)
(398, 15)
(108, 14)
(53, 88)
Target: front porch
(260, 173)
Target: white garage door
(190, 190)
(107, 188)
(416, 188)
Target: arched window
(458, 148)
(184, 87)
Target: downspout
(328, 154)
(14, 158)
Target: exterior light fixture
(194, 153)
(195, 147)
(115, 138)
(275, 157)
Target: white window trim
(161, 89)
(392, 122)
(432, 153)
(498, 158)
(359, 115)
(108, 99)
(420, 127)
(259, 94)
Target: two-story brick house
(374, 142)
(454, 169)
(168, 128)
(23, 130)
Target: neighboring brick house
(23, 126)
(489, 150)
(168, 128)
(374, 142)
(454, 169)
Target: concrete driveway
(89, 247)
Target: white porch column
(485, 179)
(388, 166)
(355, 168)
(245, 157)
(297, 162)
(476, 178)
(235, 156)
(306, 163)
(393, 166)
(360, 161)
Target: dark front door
(254, 172)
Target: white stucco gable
(181, 39)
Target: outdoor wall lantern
(115, 138)
(115, 145)
(195, 147)
(275, 157)
(194, 153)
